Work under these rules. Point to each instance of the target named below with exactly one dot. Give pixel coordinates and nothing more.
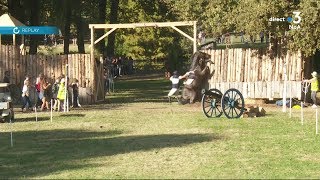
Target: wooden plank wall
(52, 66)
(257, 75)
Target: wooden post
(301, 113)
(290, 113)
(13, 39)
(284, 97)
(317, 121)
(92, 69)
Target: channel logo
(294, 20)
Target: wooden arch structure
(112, 27)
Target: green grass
(139, 135)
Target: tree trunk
(113, 19)
(67, 16)
(316, 61)
(80, 34)
(102, 19)
(34, 21)
(16, 10)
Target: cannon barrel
(210, 93)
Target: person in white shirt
(25, 94)
(175, 85)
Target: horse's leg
(192, 97)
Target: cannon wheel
(211, 105)
(233, 103)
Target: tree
(102, 19)
(67, 23)
(307, 37)
(113, 19)
(79, 24)
(34, 21)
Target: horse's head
(199, 59)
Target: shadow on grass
(41, 153)
(28, 119)
(72, 115)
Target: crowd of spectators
(116, 66)
(45, 92)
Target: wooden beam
(195, 36)
(105, 35)
(183, 33)
(147, 24)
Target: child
(314, 87)
(61, 93)
(25, 94)
(46, 94)
(75, 93)
(175, 85)
(39, 89)
(55, 89)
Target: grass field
(138, 134)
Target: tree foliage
(215, 17)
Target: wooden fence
(256, 75)
(53, 66)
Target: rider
(175, 85)
(314, 87)
(190, 76)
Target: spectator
(46, 86)
(261, 36)
(242, 36)
(22, 49)
(130, 64)
(25, 94)
(252, 38)
(6, 78)
(39, 89)
(55, 89)
(75, 93)
(314, 87)
(222, 38)
(125, 66)
(114, 66)
(106, 82)
(119, 66)
(61, 94)
(267, 37)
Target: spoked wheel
(233, 103)
(211, 103)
